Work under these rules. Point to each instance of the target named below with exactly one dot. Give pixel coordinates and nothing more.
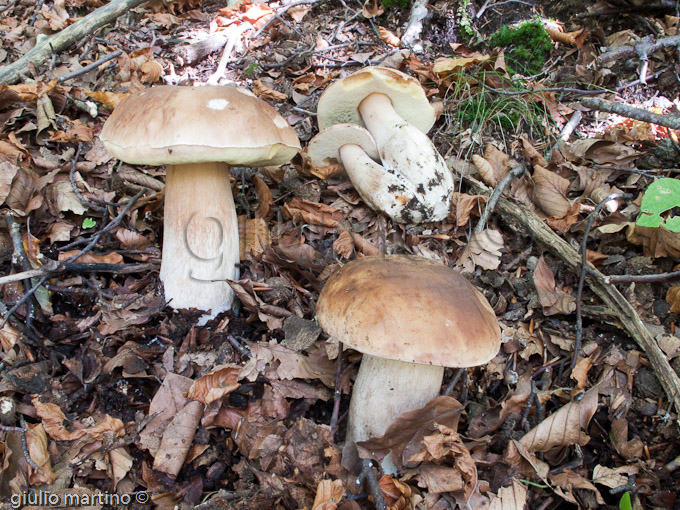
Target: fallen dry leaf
(463, 205)
(328, 495)
(89, 258)
(372, 8)
(54, 421)
(254, 236)
(550, 192)
(483, 249)
(177, 439)
(312, 213)
(510, 498)
(261, 90)
(553, 300)
(36, 442)
(264, 197)
(220, 381)
(530, 152)
(388, 37)
(344, 245)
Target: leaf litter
(119, 393)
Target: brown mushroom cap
(340, 101)
(409, 309)
(175, 125)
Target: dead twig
(641, 49)
(368, 474)
(52, 268)
(89, 67)
(112, 224)
(611, 297)
(669, 120)
(584, 270)
(21, 259)
(497, 192)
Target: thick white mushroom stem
(200, 237)
(381, 189)
(406, 150)
(383, 390)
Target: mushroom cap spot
(340, 101)
(323, 148)
(168, 125)
(409, 309)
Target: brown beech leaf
(500, 161)
(530, 152)
(404, 437)
(130, 240)
(220, 381)
(464, 205)
(177, 439)
(364, 245)
(372, 8)
(261, 90)
(312, 213)
(108, 99)
(576, 38)
(36, 443)
(553, 300)
(54, 421)
(580, 372)
(565, 427)
(656, 241)
(89, 258)
(510, 498)
(264, 197)
(7, 172)
(673, 299)
(328, 495)
(396, 493)
(485, 170)
(254, 236)
(550, 192)
(483, 249)
(388, 37)
(326, 172)
(344, 244)
(567, 481)
(151, 71)
(615, 477)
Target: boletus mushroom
(411, 317)
(198, 132)
(393, 107)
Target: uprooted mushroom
(396, 112)
(197, 132)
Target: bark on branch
(642, 49)
(671, 121)
(11, 73)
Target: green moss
(527, 46)
(396, 4)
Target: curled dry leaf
(261, 90)
(36, 442)
(177, 439)
(151, 71)
(130, 240)
(613, 478)
(510, 498)
(328, 495)
(500, 161)
(485, 170)
(372, 8)
(344, 244)
(483, 249)
(264, 197)
(312, 213)
(388, 37)
(530, 152)
(397, 495)
(553, 300)
(575, 38)
(89, 258)
(54, 421)
(673, 299)
(550, 192)
(464, 205)
(214, 385)
(254, 236)
(567, 481)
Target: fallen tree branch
(54, 268)
(611, 297)
(41, 52)
(642, 49)
(602, 105)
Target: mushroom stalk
(385, 389)
(200, 237)
(406, 150)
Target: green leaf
(661, 196)
(89, 223)
(625, 503)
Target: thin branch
(368, 474)
(497, 192)
(89, 67)
(669, 120)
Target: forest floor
(105, 390)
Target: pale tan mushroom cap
(409, 309)
(323, 148)
(175, 125)
(340, 101)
